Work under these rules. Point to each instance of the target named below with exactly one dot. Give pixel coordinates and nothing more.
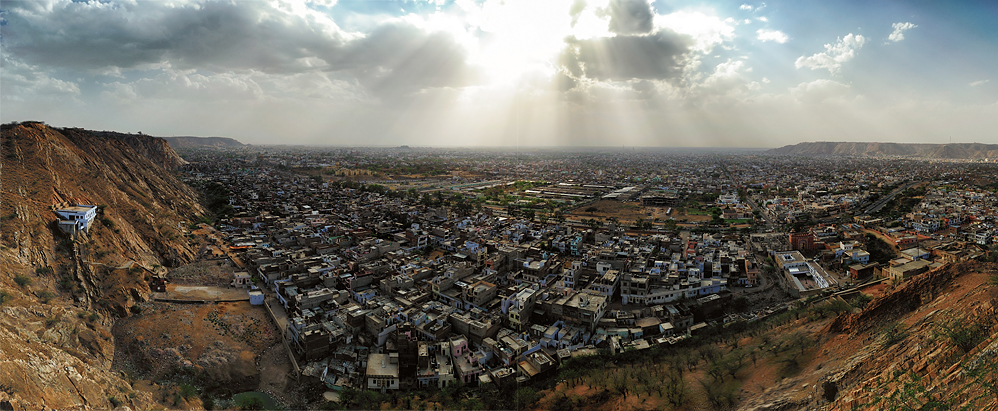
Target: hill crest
(187, 142)
(952, 151)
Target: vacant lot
(631, 211)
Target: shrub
(894, 333)
(93, 317)
(51, 321)
(66, 282)
(964, 335)
(22, 280)
(114, 401)
(208, 402)
(860, 301)
(137, 310)
(4, 297)
(186, 390)
(44, 270)
(250, 403)
(46, 296)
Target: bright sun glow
(523, 37)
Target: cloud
(706, 31)
(656, 56)
(899, 29)
(399, 58)
(225, 35)
(979, 83)
(727, 78)
(396, 57)
(188, 85)
(629, 16)
(745, 7)
(819, 90)
(772, 35)
(20, 80)
(834, 55)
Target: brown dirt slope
(158, 150)
(929, 343)
(218, 343)
(60, 296)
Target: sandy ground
(206, 293)
(631, 211)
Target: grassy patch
(22, 280)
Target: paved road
(761, 211)
(769, 222)
(876, 206)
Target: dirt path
(274, 368)
(202, 293)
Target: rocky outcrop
(59, 357)
(908, 297)
(61, 294)
(928, 343)
(156, 149)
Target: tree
(674, 387)
(529, 214)
(559, 217)
(591, 210)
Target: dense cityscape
(400, 268)
(568, 205)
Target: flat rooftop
(381, 365)
(78, 209)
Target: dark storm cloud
(656, 56)
(229, 35)
(629, 16)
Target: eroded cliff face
(156, 149)
(928, 343)
(61, 295)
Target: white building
(76, 218)
(383, 372)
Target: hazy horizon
(490, 73)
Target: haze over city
(507, 73)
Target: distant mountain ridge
(952, 151)
(183, 142)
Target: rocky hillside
(157, 150)
(59, 296)
(956, 151)
(928, 343)
(187, 142)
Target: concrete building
(77, 218)
(382, 372)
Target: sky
(521, 73)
